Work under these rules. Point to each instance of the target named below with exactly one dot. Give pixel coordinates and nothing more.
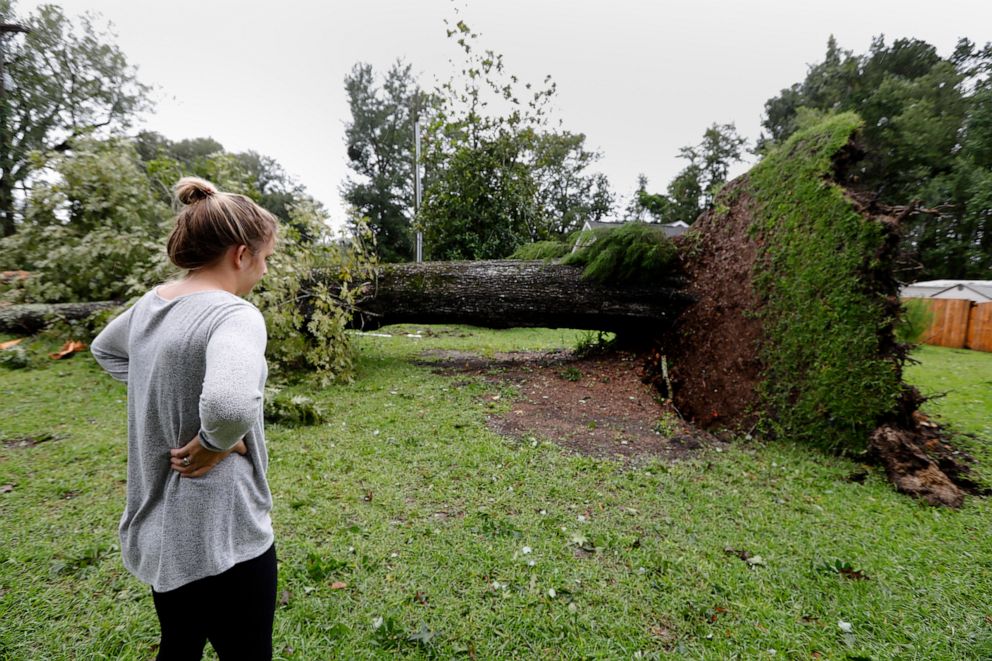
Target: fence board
(950, 322)
(980, 328)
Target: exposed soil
(597, 406)
(712, 350)
(919, 461)
(29, 441)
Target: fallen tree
(32, 317)
(508, 293)
(781, 320)
(493, 294)
(792, 331)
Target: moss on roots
(832, 370)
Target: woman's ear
(239, 255)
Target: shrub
(14, 358)
(94, 232)
(97, 230)
(58, 329)
(593, 343)
(291, 409)
(634, 253)
(546, 250)
(915, 320)
(306, 318)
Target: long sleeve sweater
(193, 364)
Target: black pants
(233, 610)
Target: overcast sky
(639, 78)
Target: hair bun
(194, 189)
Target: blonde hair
(208, 222)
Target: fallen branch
(33, 317)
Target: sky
(639, 78)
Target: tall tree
(64, 79)
(260, 177)
(924, 138)
(380, 140)
(481, 205)
(277, 191)
(500, 176)
(567, 195)
(719, 149)
(694, 187)
(642, 204)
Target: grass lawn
(960, 383)
(454, 542)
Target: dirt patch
(450, 361)
(596, 406)
(712, 351)
(30, 441)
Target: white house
(979, 291)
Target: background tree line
(498, 171)
(86, 207)
(927, 137)
(497, 180)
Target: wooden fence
(960, 324)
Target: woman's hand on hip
(194, 460)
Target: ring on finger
(186, 460)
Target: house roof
(976, 290)
(596, 224)
(677, 228)
(949, 283)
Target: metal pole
(416, 189)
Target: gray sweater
(192, 364)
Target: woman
(196, 525)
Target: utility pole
(417, 189)
(6, 185)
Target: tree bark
(510, 293)
(492, 294)
(33, 317)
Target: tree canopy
(380, 142)
(927, 137)
(694, 187)
(66, 79)
(500, 175)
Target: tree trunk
(7, 226)
(493, 294)
(505, 294)
(33, 317)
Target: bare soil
(712, 351)
(29, 441)
(597, 406)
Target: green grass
(960, 383)
(406, 496)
